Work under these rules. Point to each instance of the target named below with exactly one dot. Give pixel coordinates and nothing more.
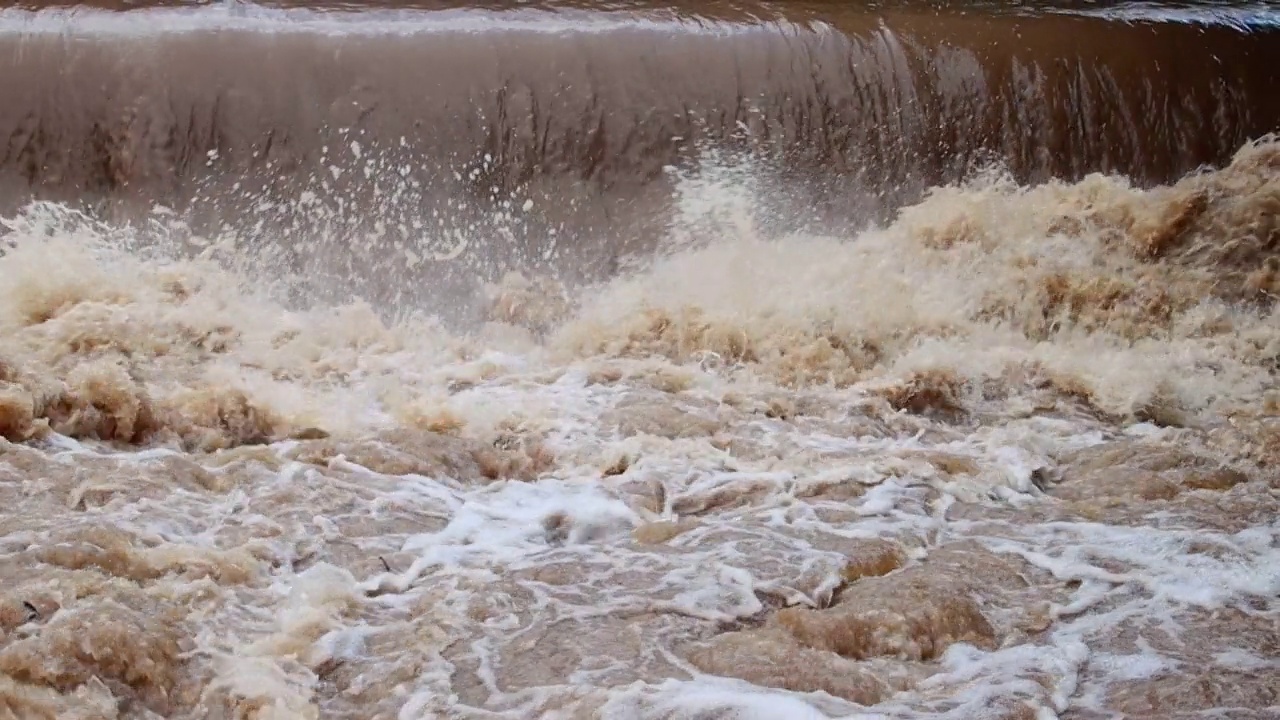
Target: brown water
(730, 360)
(394, 116)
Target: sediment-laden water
(699, 360)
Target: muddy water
(385, 118)
(907, 371)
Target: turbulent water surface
(695, 360)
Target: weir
(867, 104)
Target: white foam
(508, 521)
(1143, 666)
(688, 700)
(1240, 659)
